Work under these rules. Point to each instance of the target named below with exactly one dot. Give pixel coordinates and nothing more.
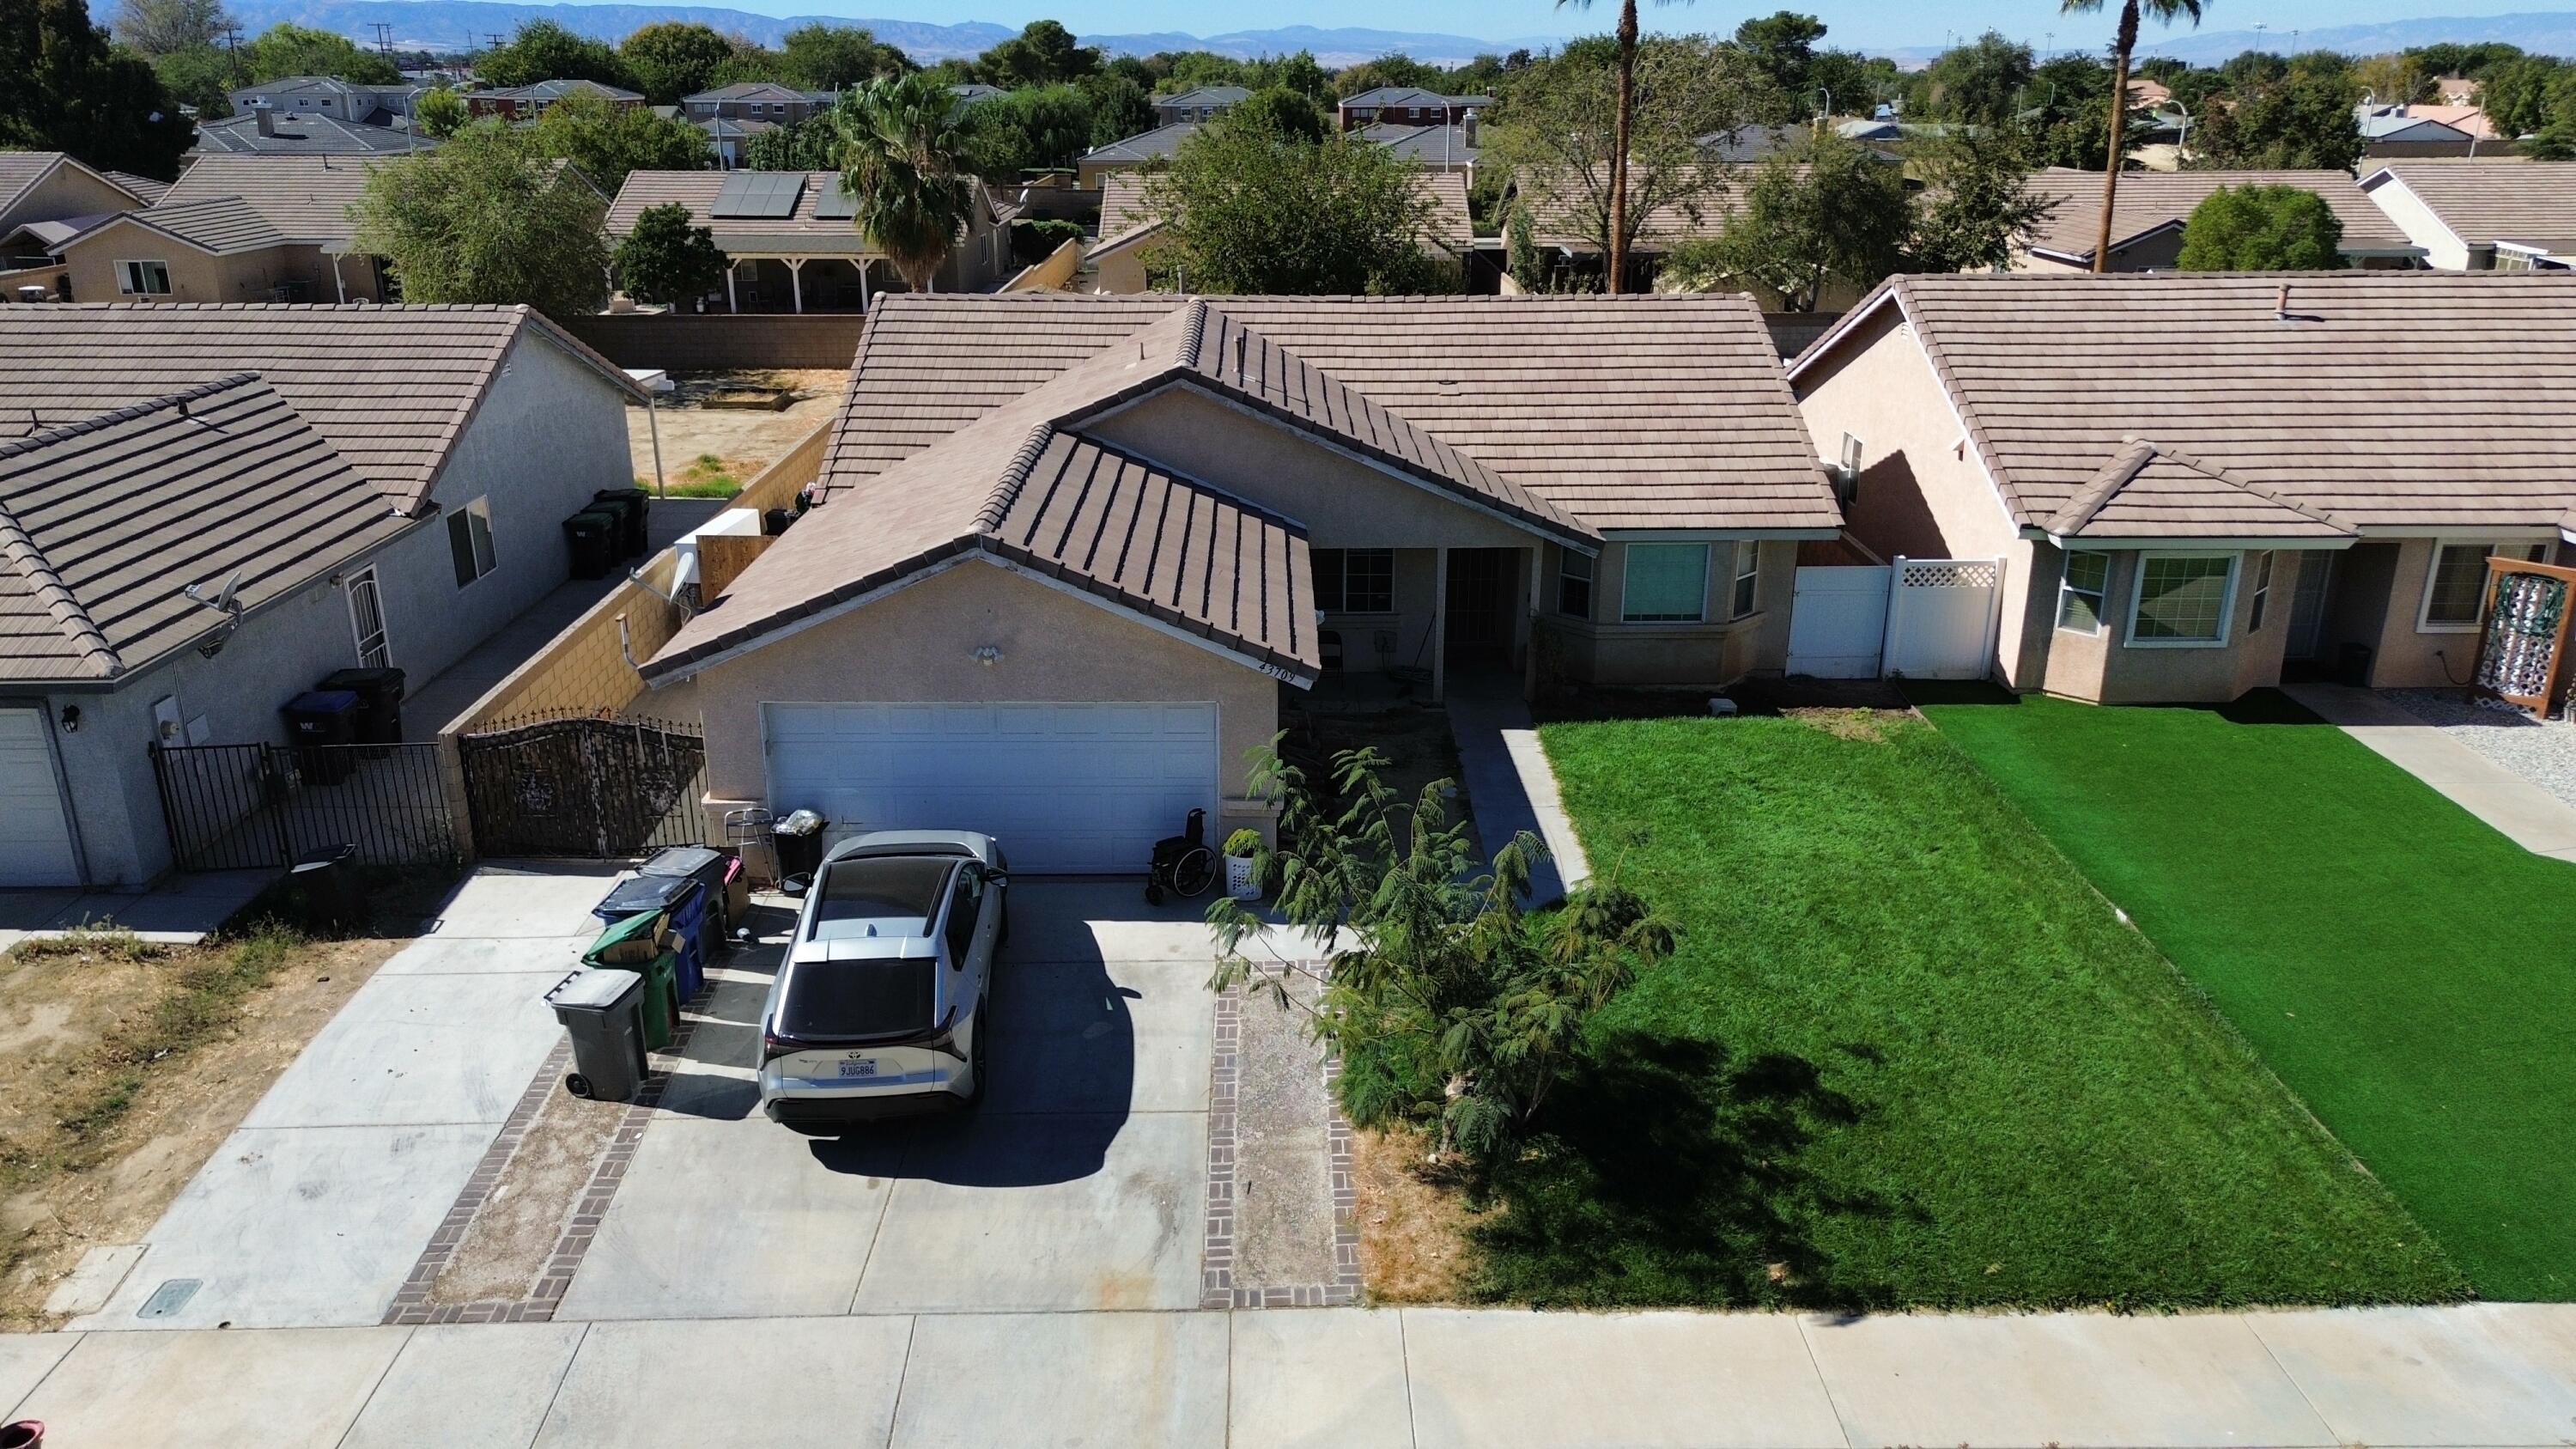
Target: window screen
(2181, 598)
(1665, 583)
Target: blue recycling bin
(684, 899)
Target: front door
(1477, 628)
(2308, 605)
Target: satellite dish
(223, 598)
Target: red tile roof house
(382, 485)
(2196, 482)
(1075, 551)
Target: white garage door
(35, 836)
(1067, 788)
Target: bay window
(2182, 599)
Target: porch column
(1529, 623)
(864, 264)
(1439, 625)
(730, 304)
(337, 280)
(796, 280)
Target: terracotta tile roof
(2149, 200)
(2483, 201)
(307, 198)
(2153, 492)
(1123, 210)
(105, 522)
(2387, 399)
(392, 388)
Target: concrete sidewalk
(1510, 786)
(2521, 811)
(2494, 1374)
(181, 910)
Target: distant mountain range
(447, 25)
(2543, 32)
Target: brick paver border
(1218, 1287)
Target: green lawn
(2403, 967)
(1905, 1056)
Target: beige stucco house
(791, 239)
(1072, 552)
(235, 228)
(2198, 483)
(2150, 208)
(1117, 261)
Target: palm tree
(1617, 259)
(2122, 43)
(899, 164)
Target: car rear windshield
(855, 1000)
(883, 887)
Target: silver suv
(879, 1008)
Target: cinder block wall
(688, 342)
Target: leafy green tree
(1828, 212)
(1393, 69)
(1034, 128)
(2302, 123)
(1176, 71)
(605, 141)
(1250, 210)
(1783, 46)
(813, 144)
(542, 50)
(1282, 112)
(1297, 71)
(2473, 59)
(1521, 256)
(489, 217)
(439, 113)
(836, 57)
(1042, 53)
(158, 27)
(2393, 79)
(1119, 107)
(2068, 112)
(1856, 82)
(1975, 208)
(285, 49)
(2124, 42)
(1449, 1008)
(901, 160)
(673, 58)
(668, 258)
(2262, 229)
(68, 89)
(2523, 94)
(203, 76)
(1981, 83)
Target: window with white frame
(1664, 583)
(469, 541)
(1748, 578)
(1355, 580)
(1574, 583)
(2079, 591)
(2182, 599)
(143, 279)
(2455, 585)
(2262, 592)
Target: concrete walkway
(180, 910)
(1509, 784)
(2521, 811)
(2493, 1375)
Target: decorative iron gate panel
(590, 788)
(248, 807)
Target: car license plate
(864, 1067)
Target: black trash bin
(776, 521)
(704, 864)
(633, 507)
(2352, 665)
(592, 537)
(643, 894)
(800, 844)
(322, 888)
(318, 722)
(380, 691)
(603, 1011)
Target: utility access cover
(170, 1297)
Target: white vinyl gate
(1918, 618)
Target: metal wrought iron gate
(244, 807)
(592, 788)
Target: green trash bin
(635, 944)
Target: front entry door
(1478, 627)
(2308, 605)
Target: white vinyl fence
(1917, 618)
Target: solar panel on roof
(831, 203)
(760, 195)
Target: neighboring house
(1436, 148)
(1566, 216)
(2406, 131)
(2197, 482)
(526, 103)
(1159, 144)
(2457, 90)
(303, 255)
(1408, 106)
(765, 101)
(298, 96)
(1128, 228)
(1074, 554)
(792, 241)
(2151, 207)
(265, 129)
(969, 92)
(390, 483)
(2471, 217)
(1198, 104)
(48, 186)
(730, 140)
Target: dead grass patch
(1413, 1227)
(1868, 725)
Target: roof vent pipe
(1240, 339)
(2281, 303)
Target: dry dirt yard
(123, 1064)
(714, 451)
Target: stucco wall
(66, 193)
(197, 276)
(918, 643)
(1121, 273)
(1601, 650)
(1922, 491)
(2406, 656)
(2108, 669)
(2443, 250)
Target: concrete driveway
(1079, 1184)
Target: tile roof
(2481, 201)
(1123, 209)
(105, 522)
(1663, 411)
(748, 91)
(1412, 96)
(2149, 492)
(1162, 141)
(1197, 96)
(1424, 145)
(801, 233)
(555, 90)
(307, 198)
(310, 133)
(21, 170)
(218, 224)
(2389, 399)
(2149, 200)
(392, 388)
(1558, 212)
(144, 188)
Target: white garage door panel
(1064, 787)
(35, 835)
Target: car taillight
(773, 1046)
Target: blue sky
(1869, 24)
